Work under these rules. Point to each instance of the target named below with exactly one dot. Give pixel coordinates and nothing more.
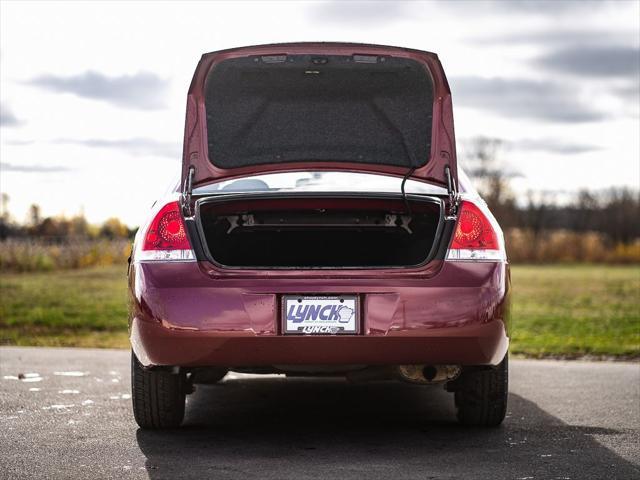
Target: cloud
(560, 38)
(630, 98)
(133, 146)
(551, 145)
(364, 13)
(518, 98)
(145, 91)
(8, 167)
(594, 61)
(550, 8)
(19, 143)
(630, 93)
(7, 117)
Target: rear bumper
(182, 316)
(478, 346)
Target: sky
(92, 94)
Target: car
(321, 226)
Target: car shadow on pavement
(326, 428)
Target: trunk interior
(320, 232)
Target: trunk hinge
(452, 190)
(187, 188)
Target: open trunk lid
(319, 106)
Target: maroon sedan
(321, 227)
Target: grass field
(84, 308)
(574, 310)
(565, 311)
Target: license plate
(320, 315)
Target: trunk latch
(454, 198)
(187, 188)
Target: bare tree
(34, 215)
(4, 207)
(491, 176)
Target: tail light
(475, 238)
(166, 238)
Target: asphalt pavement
(66, 413)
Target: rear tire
(158, 396)
(481, 395)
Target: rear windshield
(362, 109)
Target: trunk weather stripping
(187, 189)
(454, 197)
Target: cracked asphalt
(66, 413)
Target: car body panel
(181, 315)
(195, 151)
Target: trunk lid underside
(319, 107)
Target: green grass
(576, 310)
(557, 311)
(85, 307)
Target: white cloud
(143, 90)
(521, 98)
(7, 117)
(148, 147)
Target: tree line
(59, 228)
(614, 212)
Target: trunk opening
(320, 232)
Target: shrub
(28, 255)
(564, 246)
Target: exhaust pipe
(428, 374)
(421, 374)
